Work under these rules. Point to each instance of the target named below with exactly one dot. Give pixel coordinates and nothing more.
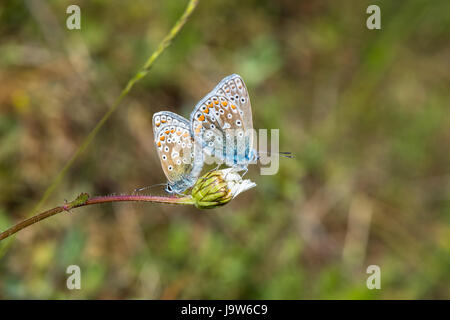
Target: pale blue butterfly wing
(222, 123)
(176, 150)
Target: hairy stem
(84, 200)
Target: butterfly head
(169, 188)
(175, 188)
(180, 186)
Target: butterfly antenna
(148, 187)
(288, 155)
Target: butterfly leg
(216, 168)
(245, 169)
(179, 193)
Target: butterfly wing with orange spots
(175, 148)
(222, 117)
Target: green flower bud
(218, 187)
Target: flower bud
(218, 187)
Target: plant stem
(140, 74)
(84, 200)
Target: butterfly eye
(170, 168)
(242, 99)
(238, 123)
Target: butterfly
(181, 161)
(220, 126)
(221, 123)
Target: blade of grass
(166, 42)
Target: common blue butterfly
(180, 159)
(221, 126)
(222, 123)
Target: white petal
(235, 182)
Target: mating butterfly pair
(220, 126)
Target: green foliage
(365, 113)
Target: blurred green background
(366, 112)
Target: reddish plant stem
(174, 200)
(84, 200)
